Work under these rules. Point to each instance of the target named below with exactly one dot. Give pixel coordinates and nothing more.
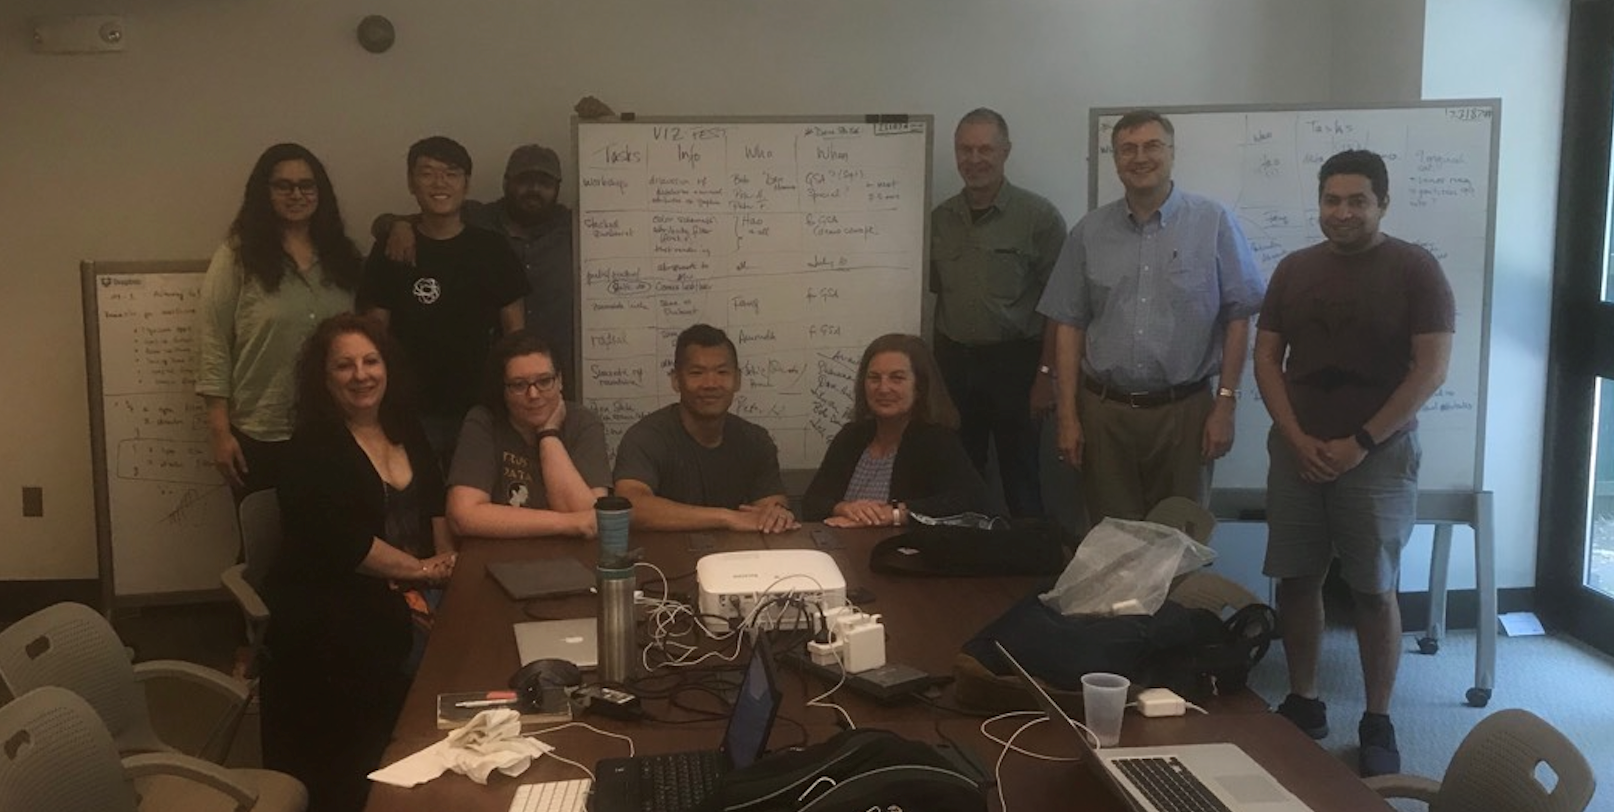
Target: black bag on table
(853, 771)
(1191, 651)
(1024, 547)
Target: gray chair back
(1496, 766)
(70, 645)
(56, 755)
(259, 518)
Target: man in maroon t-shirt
(1366, 322)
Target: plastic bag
(1125, 568)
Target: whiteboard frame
(1432, 505)
(89, 271)
(791, 475)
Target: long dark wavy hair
(930, 401)
(256, 230)
(314, 401)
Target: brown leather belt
(1145, 400)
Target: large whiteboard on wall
(165, 520)
(1262, 162)
(803, 238)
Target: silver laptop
(575, 640)
(1156, 779)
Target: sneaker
(1310, 715)
(1377, 754)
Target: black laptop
(678, 782)
(541, 577)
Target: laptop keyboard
(1169, 785)
(551, 796)
(674, 782)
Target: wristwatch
(1224, 392)
(1365, 440)
(555, 433)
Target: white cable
(1192, 706)
(586, 726)
(1008, 744)
(818, 701)
(997, 767)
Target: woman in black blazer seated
(361, 498)
(900, 452)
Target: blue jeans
(991, 386)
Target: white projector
(733, 585)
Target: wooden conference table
(927, 621)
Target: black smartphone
(701, 542)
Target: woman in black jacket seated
(361, 499)
(900, 452)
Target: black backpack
(854, 771)
(1191, 651)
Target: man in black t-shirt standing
(464, 289)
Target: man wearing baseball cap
(539, 229)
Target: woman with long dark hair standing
(287, 266)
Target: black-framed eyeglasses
(543, 383)
(288, 187)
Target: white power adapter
(1154, 702)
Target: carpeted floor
(1558, 679)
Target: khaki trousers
(1134, 458)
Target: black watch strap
(1365, 440)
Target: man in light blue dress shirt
(1152, 298)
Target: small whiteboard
(803, 238)
(165, 520)
(1262, 162)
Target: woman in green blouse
(287, 266)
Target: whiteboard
(804, 239)
(1262, 163)
(165, 520)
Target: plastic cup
(1103, 703)
(612, 515)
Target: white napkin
(491, 741)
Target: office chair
(259, 519)
(71, 646)
(1496, 768)
(1207, 590)
(55, 754)
(1186, 515)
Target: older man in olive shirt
(991, 248)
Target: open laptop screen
(754, 708)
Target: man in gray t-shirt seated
(694, 466)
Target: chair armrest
(1404, 785)
(146, 765)
(228, 686)
(252, 605)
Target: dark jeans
(264, 460)
(991, 386)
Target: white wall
(1378, 51)
(1513, 49)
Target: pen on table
(486, 703)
